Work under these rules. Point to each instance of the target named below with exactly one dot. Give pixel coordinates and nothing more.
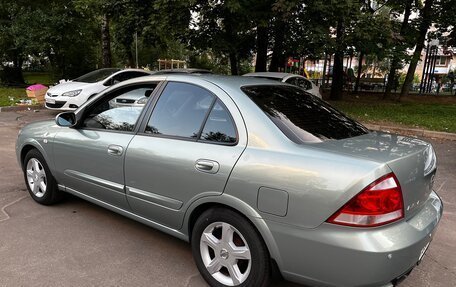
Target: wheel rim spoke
(214, 266)
(227, 233)
(36, 165)
(36, 188)
(235, 274)
(240, 253)
(210, 240)
(42, 186)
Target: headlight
(71, 93)
(142, 101)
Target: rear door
(186, 150)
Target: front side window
(105, 114)
(302, 117)
(125, 76)
(96, 76)
(180, 111)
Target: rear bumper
(332, 255)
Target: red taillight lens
(379, 203)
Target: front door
(186, 151)
(90, 158)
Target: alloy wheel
(36, 177)
(225, 253)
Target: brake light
(378, 204)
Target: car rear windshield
(96, 76)
(302, 117)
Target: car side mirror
(66, 119)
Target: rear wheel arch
(248, 213)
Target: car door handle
(115, 149)
(205, 165)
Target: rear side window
(302, 117)
(180, 111)
(219, 126)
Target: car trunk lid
(412, 161)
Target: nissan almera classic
(256, 175)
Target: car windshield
(96, 76)
(303, 118)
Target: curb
(413, 132)
(21, 108)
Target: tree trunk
(277, 51)
(360, 69)
(233, 64)
(338, 70)
(262, 49)
(13, 75)
(395, 61)
(105, 42)
(426, 15)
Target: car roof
(230, 84)
(277, 75)
(134, 70)
(183, 71)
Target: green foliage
(416, 78)
(64, 36)
(39, 78)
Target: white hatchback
(72, 94)
(293, 79)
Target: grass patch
(437, 117)
(9, 96)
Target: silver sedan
(257, 175)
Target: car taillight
(379, 203)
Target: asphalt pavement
(76, 243)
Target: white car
(72, 94)
(134, 98)
(292, 79)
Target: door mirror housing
(66, 119)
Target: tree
(225, 29)
(39, 29)
(426, 17)
(399, 50)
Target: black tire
(51, 194)
(260, 263)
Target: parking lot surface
(76, 243)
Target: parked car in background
(72, 94)
(135, 98)
(140, 97)
(292, 79)
(183, 71)
(253, 173)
